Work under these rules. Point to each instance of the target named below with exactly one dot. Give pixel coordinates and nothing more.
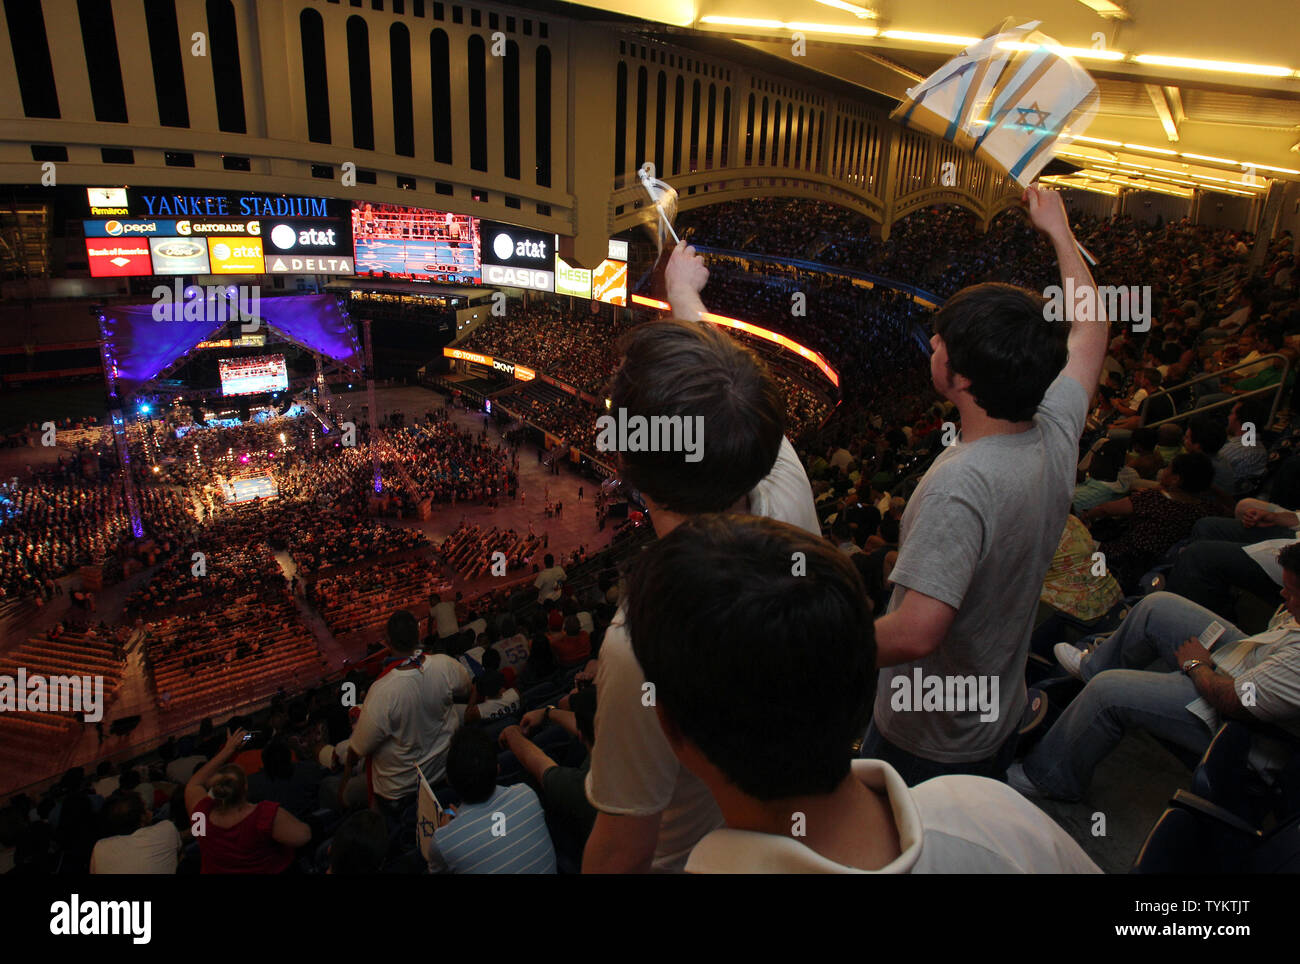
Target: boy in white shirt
(723, 591)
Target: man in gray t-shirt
(979, 532)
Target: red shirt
(245, 848)
(571, 650)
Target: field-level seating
(28, 738)
(209, 662)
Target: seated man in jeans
(1216, 561)
(1184, 701)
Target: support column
(118, 422)
(374, 410)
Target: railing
(1230, 401)
(1215, 286)
(919, 295)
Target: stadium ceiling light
(1098, 140)
(1106, 9)
(1269, 167)
(1217, 66)
(828, 28)
(1212, 160)
(948, 40)
(1153, 150)
(1078, 53)
(860, 12)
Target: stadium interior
(325, 544)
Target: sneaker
(1035, 711)
(1019, 781)
(1070, 658)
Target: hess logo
(505, 247)
(285, 237)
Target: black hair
(472, 764)
(123, 814)
(1288, 558)
(129, 780)
(277, 760)
(727, 590)
(490, 684)
(1144, 438)
(1195, 472)
(996, 336)
(491, 659)
(689, 369)
(1254, 410)
(583, 705)
(549, 560)
(1108, 460)
(360, 845)
(541, 661)
(403, 631)
(1207, 432)
(889, 530)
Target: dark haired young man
(652, 810)
(407, 719)
(496, 830)
(1239, 678)
(980, 530)
(1206, 434)
(1246, 423)
(727, 591)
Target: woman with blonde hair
(236, 836)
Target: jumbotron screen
(417, 244)
(250, 376)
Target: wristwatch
(546, 717)
(1191, 664)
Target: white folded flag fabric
(430, 813)
(1012, 99)
(661, 214)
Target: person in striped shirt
(497, 830)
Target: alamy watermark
(919, 693)
(98, 918)
(53, 694)
(215, 303)
(1129, 304)
(654, 433)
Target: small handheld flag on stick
(663, 200)
(1012, 99)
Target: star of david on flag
(1012, 99)
(429, 814)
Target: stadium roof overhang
(1190, 97)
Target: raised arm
(684, 278)
(1089, 330)
(197, 787)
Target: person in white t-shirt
(442, 617)
(723, 591)
(408, 718)
(133, 846)
(490, 700)
(651, 810)
(512, 645)
(549, 581)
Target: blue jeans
(1230, 530)
(1120, 693)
